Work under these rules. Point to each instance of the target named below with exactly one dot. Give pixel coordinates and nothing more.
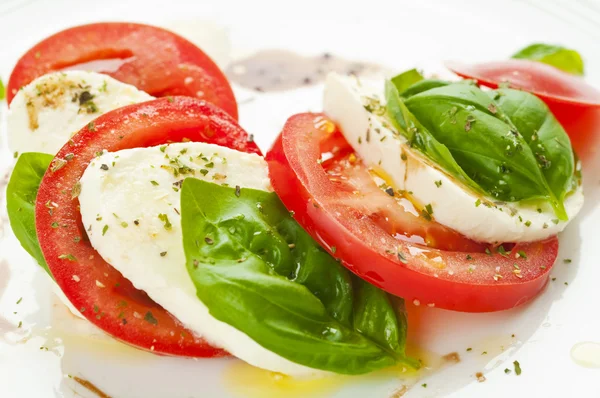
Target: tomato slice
(541, 79)
(473, 282)
(575, 103)
(154, 60)
(100, 292)
(396, 214)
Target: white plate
(399, 34)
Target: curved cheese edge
(212, 38)
(122, 204)
(47, 112)
(63, 298)
(454, 205)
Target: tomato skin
(100, 292)
(582, 124)
(422, 275)
(154, 60)
(541, 79)
(575, 103)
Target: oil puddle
(246, 381)
(586, 354)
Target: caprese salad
(156, 215)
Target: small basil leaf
(547, 139)
(2, 90)
(560, 57)
(407, 79)
(290, 297)
(484, 142)
(20, 201)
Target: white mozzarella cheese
(454, 206)
(47, 112)
(122, 196)
(212, 38)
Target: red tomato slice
(356, 188)
(154, 60)
(541, 79)
(473, 282)
(575, 103)
(100, 292)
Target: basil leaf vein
(257, 270)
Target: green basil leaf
(20, 201)
(421, 86)
(257, 270)
(332, 282)
(2, 90)
(484, 142)
(406, 79)
(420, 138)
(560, 57)
(545, 136)
(374, 314)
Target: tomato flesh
(575, 103)
(392, 211)
(543, 80)
(473, 282)
(100, 292)
(154, 60)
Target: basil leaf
(2, 90)
(374, 314)
(560, 57)
(545, 136)
(20, 201)
(332, 282)
(484, 142)
(421, 86)
(257, 270)
(407, 79)
(420, 138)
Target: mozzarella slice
(212, 38)
(47, 112)
(128, 197)
(380, 147)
